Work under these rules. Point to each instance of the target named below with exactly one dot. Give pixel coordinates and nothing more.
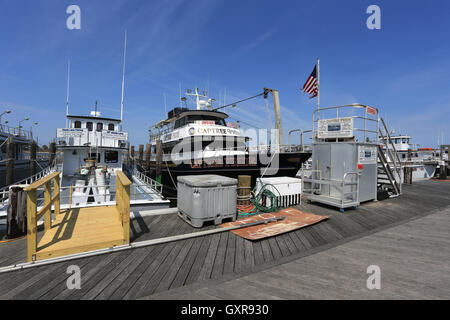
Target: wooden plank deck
(413, 265)
(81, 230)
(162, 268)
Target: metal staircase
(389, 165)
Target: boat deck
(147, 271)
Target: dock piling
(141, 156)
(10, 156)
(33, 147)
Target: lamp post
(5, 112)
(20, 123)
(31, 128)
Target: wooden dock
(157, 271)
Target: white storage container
(289, 188)
(203, 198)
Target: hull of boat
(289, 164)
(21, 170)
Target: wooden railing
(46, 211)
(123, 203)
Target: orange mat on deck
(295, 219)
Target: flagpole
(318, 88)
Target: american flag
(310, 85)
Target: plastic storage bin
(206, 198)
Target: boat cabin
(90, 138)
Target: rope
(260, 199)
(5, 241)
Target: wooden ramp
(81, 230)
(76, 230)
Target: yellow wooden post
(57, 200)
(126, 213)
(123, 203)
(47, 199)
(31, 225)
(118, 196)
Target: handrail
(33, 216)
(123, 203)
(356, 106)
(395, 158)
(344, 183)
(302, 140)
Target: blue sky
(237, 46)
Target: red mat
(295, 219)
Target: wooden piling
(141, 156)
(147, 158)
(159, 160)
(132, 156)
(244, 189)
(443, 171)
(52, 155)
(10, 158)
(407, 173)
(33, 147)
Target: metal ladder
(389, 172)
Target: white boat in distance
(423, 161)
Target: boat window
(99, 126)
(111, 156)
(404, 140)
(403, 156)
(94, 156)
(89, 126)
(217, 121)
(111, 127)
(180, 122)
(77, 124)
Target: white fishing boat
(423, 161)
(91, 150)
(207, 144)
(22, 139)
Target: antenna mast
(67, 96)
(123, 79)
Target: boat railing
(4, 192)
(149, 182)
(135, 192)
(75, 137)
(301, 146)
(16, 132)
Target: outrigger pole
(67, 96)
(123, 79)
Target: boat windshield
(192, 118)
